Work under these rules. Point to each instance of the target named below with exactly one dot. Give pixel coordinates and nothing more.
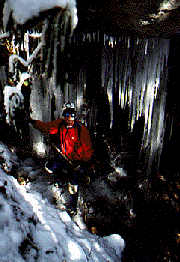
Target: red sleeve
(85, 151)
(47, 127)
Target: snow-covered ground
(33, 229)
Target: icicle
(104, 39)
(56, 28)
(98, 34)
(89, 37)
(111, 41)
(26, 44)
(84, 38)
(129, 40)
(146, 47)
(115, 41)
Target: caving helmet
(68, 109)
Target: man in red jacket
(74, 142)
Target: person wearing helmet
(74, 144)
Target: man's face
(69, 119)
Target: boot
(73, 202)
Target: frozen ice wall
(42, 92)
(134, 72)
(42, 56)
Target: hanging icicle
(142, 73)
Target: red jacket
(74, 146)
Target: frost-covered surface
(23, 10)
(32, 229)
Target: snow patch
(23, 10)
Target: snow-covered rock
(32, 229)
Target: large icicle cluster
(137, 69)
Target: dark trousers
(60, 167)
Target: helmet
(69, 108)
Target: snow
(23, 10)
(33, 229)
(13, 99)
